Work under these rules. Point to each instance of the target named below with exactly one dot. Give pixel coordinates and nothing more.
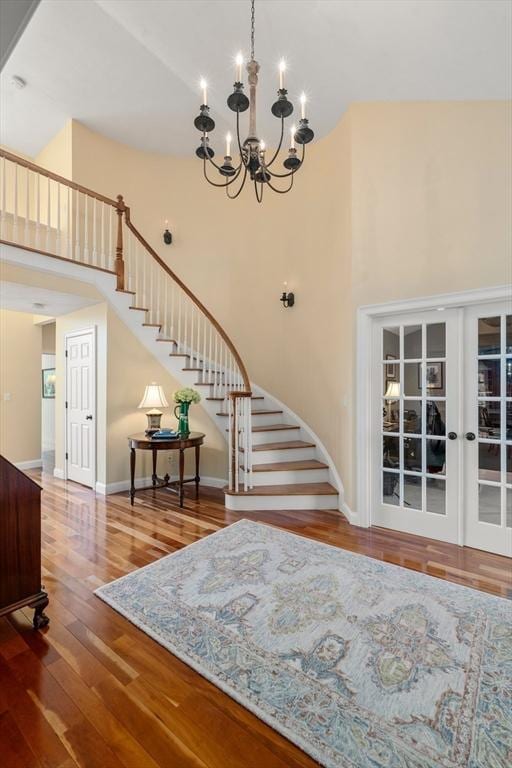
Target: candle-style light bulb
(228, 144)
(262, 146)
(204, 86)
(292, 137)
(239, 64)
(303, 105)
(282, 68)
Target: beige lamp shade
(393, 389)
(153, 397)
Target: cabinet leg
(40, 618)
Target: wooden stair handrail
(121, 209)
(60, 179)
(199, 304)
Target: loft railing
(46, 213)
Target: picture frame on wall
(391, 373)
(433, 376)
(48, 383)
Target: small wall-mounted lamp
(288, 299)
(167, 234)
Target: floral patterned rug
(358, 662)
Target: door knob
(89, 417)
(452, 435)
(470, 435)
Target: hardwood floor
(95, 691)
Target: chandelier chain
(252, 30)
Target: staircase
(274, 461)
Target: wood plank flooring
(94, 691)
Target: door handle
(452, 435)
(470, 436)
(89, 417)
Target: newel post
(119, 263)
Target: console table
(142, 442)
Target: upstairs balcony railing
(48, 214)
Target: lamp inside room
(154, 399)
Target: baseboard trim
(58, 473)
(32, 464)
(106, 489)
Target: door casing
(67, 336)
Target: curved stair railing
(48, 214)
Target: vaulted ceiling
(130, 69)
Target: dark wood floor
(94, 691)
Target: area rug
(358, 662)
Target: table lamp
(154, 398)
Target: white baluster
(86, 229)
(103, 256)
(77, 227)
(48, 213)
(57, 242)
(110, 230)
(179, 347)
(38, 209)
(69, 217)
(3, 209)
(94, 233)
(27, 207)
(15, 221)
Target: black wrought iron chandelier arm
(225, 184)
(218, 167)
(290, 173)
(282, 191)
(242, 185)
(259, 197)
(279, 145)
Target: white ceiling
(25, 298)
(130, 68)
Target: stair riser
(259, 420)
(275, 436)
(292, 476)
(283, 454)
(270, 503)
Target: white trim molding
(31, 464)
(366, 314)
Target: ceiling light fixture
(18, 82)
(252, 153)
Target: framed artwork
(391, 369)
(434, 376)
(48, 382)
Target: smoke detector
(38, 305)
(18, 82)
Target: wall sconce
(167, 234)
(288, 299)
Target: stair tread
(283, 446)
(220, 399)
(140, 309)
(152, 325)
(295, 489)
(256, 412)
(125, 290)
(169, 341)
(290, 466)
(274, 427)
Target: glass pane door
(417, 380)
(488, 439)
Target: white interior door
(488, 428)
(80, 407)
(416, 420)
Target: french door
(442, 425)
(488, 421)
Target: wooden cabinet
(20, 543)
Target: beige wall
(48, 338)
(20, 380)
(400, 200)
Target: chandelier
(252, 161)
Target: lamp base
(154, 418)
